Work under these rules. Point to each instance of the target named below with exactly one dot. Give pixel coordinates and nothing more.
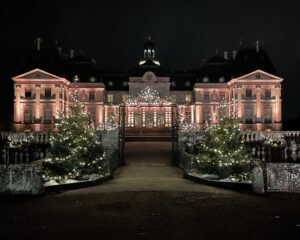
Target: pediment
(36, 74)
(149, 77)
(259, 75)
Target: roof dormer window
(187, 83)
(222, 79)
(205, 79)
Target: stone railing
(37, 137)
(256, 143)
(256, 136)
(33, 146)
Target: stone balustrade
(37, 137)
(256, 136)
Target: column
(37, 103)
(239, 103)
(192, 114)
(278, 106)
(100, 115)
(155, 117)
(105, 114)
(258, 104)
(18, 109)
(198, 115)
(143, 117)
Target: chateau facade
(245, 79)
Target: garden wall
(21, 179)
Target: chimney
(257, 46)
(38, 43)
(226, 55)
(234, 54)
(59, 49)
(72, 53)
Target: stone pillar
(278, 116)
(258, 104)
(143, 117)
(239, 103)
(38, 103)
(192, 114)
(105, 114)
(198, 115)
(18, 108)
(100, 115)
(155, 117)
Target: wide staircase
(148, 135)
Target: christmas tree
(75, 151)
(222, 151)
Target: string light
(148, 95)
(75, 150)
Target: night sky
(185, 32)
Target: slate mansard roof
(215, 70)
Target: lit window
(110, 98)
(248, 93)
(188, 97)
(267, 114)
(248, 114)
(91, 96)
(206, 115)
(92, 112)
(268, 94)
(27, 93)
(48, 93)
(27, 114)
(222, 96)
(206, 96)
(188, 116)
(47, 113)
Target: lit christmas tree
(222, 151)
(75, 151)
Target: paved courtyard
(149, 199)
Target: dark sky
(184, 31)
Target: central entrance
(145, 122)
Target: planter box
(217, 183)
(76, 185)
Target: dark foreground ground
(150, 201)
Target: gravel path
(149, 200)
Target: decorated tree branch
(223, 152)
(75, 150)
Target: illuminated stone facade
(254, 94)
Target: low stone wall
(21, 179)
(283, 177)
